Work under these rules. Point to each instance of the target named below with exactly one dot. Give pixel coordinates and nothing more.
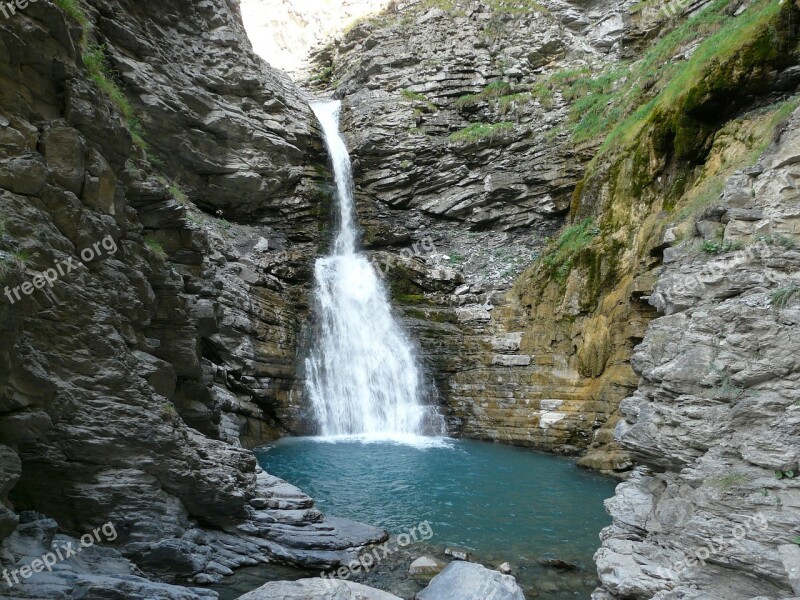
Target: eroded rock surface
(470, 581)
(717, 413)
(130, 381)
(317, 589)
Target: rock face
(145, 339)
(466, 139)
(284, 32)
(717, 413)
(317, 589)
(470, 581)
(460, 144)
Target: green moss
(155, 247)
(493, 91)
(560, 257)
(480, 131)
(410, 298)
(94, 57)
(74, 9)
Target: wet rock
(557, 563)
(469, 581)
(317, 589)
(425, 567)
(458, 554)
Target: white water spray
(361, 375)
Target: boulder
(425, 566)
(470, 581)
(316, 589)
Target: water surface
(501, 503)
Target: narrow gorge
(432, 299)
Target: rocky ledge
(712, 512)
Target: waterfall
(361, 375)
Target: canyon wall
(171, 186)
(714, 423)
(680, 201)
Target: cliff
(161, 203)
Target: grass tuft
(782, 297)
(480, 131)
(155, 247)
(493, 91)
(94, 57)
(561, 256)
(74, 9)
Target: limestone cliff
(168, 184)
(479, 128)
(713, 510)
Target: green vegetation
(155, 247)
(658, 85)
(21, 257)
(3, 225)
(412, 96)
(719, 247)
(322, 76)
(169, 412)
(505, 104)
(561, 256)
(728, 481)
(74, 9)
(782, 297)
(785, 474)
(480, 131)
(177, 193)
(456, 258)
(410, 298)
(517, 6)
(155, 160)
(224, 224)
(779, 240)
(94, 57)
(195, 218)
(620, 99)
(493, 91)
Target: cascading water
(362, 376)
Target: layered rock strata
(712, 512)
(137, 138)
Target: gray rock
(790, 556)
(425, 566)
(469, 581)
(716, 413)
(316, 589)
